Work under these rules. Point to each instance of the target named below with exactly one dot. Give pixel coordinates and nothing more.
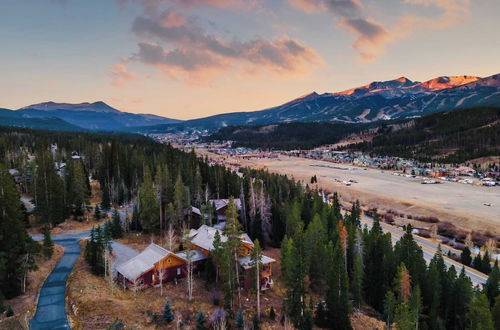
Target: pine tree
(116, 226)
(495, 311)
(389, 308)
(49, 190)
(78, 187)
(106, 200)
(416, 306)
(179, 200)
(465, 257)
(48, 245)
(485, 263)
(461, 297)
(97, 213)
(168, 315)
(337, 297)
(240, 319)
(403, 317)
(231, 253)
(148, 203)
(477, 263)
(379, 265)
(200, 320)
(492, 286)
(408, 252)
(357, 280)
(479, 315)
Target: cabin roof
(246, 261)
(221, 203)
(204, 237)
(142, 262)
(196, 256)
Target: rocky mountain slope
(393, 99)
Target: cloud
(179, 46)
(120, 74)
(152, 6)
(373, 37)
(344, 8)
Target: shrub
(215, 296)
(9, 312)
(168, 315)
(272, 313)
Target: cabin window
(168, 260)
(178, 271)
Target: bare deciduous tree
(161, 274)
(468, 241)
(189, 265)
(171, 238)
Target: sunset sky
(192, 58)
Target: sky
(194, 58)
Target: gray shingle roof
(141, 263)
(246, 261)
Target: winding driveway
(51, 306)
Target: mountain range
(381, 100)
(88, 116)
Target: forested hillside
(451, 137)
(286, 136)
(330, 266)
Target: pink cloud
(373, 37)
(185, 49)
(120, 74)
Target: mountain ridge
(91, 116)
(379, 100)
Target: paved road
(51, 308)
(429, 249)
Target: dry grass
(24, 305)
(466, 221)
(361, 321)
(140, 241)
(97, 305)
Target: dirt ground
(94, 304)
(462, 205)
(24, 305)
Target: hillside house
(193, 215)
(154, 265)
(221, 207)
(203, 240)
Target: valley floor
(468, 207)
